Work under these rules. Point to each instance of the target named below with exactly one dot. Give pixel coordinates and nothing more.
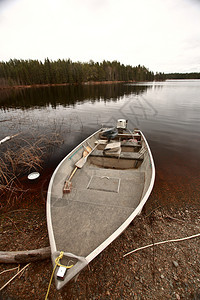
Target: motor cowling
(122, 124)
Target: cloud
(162, 35)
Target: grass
(21, 156)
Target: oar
(79, 164)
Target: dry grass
(21, 156)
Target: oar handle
(72, 174)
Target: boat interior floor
(99, 202)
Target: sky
(162, 35)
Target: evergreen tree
(30, 72)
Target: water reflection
(66, 95)
(167, 112)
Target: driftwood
(24, 256)
(7, 138)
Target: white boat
(94, 194)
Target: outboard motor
(121, 125)
(110, 133)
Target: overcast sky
(162, 35)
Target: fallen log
(24, 256)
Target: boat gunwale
(48, 205)
(137, 211)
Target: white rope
(163, 242)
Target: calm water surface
(167, 112)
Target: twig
(152, 211)
(167, 216)
(19, 210)
(14, 277)
(14, 224)
(163, 242)
(9, 270)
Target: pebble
(159, 214)
(137, 278)
(178, 297)
(175, 263)
(175, 277)
(162, 276)
(127, 284)
(141, 280)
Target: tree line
(193, 75)
(30, 72)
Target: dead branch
(11, 257)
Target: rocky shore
(168, 271)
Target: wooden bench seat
(124, 136)
(123, 155)
(126, 145)
(131, 144)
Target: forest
(182, 76)
(31, 72)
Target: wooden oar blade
(86, 151)
(79, 164)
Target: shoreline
(63, 84)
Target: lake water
(167, 112)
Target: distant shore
(62, 84)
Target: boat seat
(131, 144)
(125, 144)
(125, 136)
(123, 155)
